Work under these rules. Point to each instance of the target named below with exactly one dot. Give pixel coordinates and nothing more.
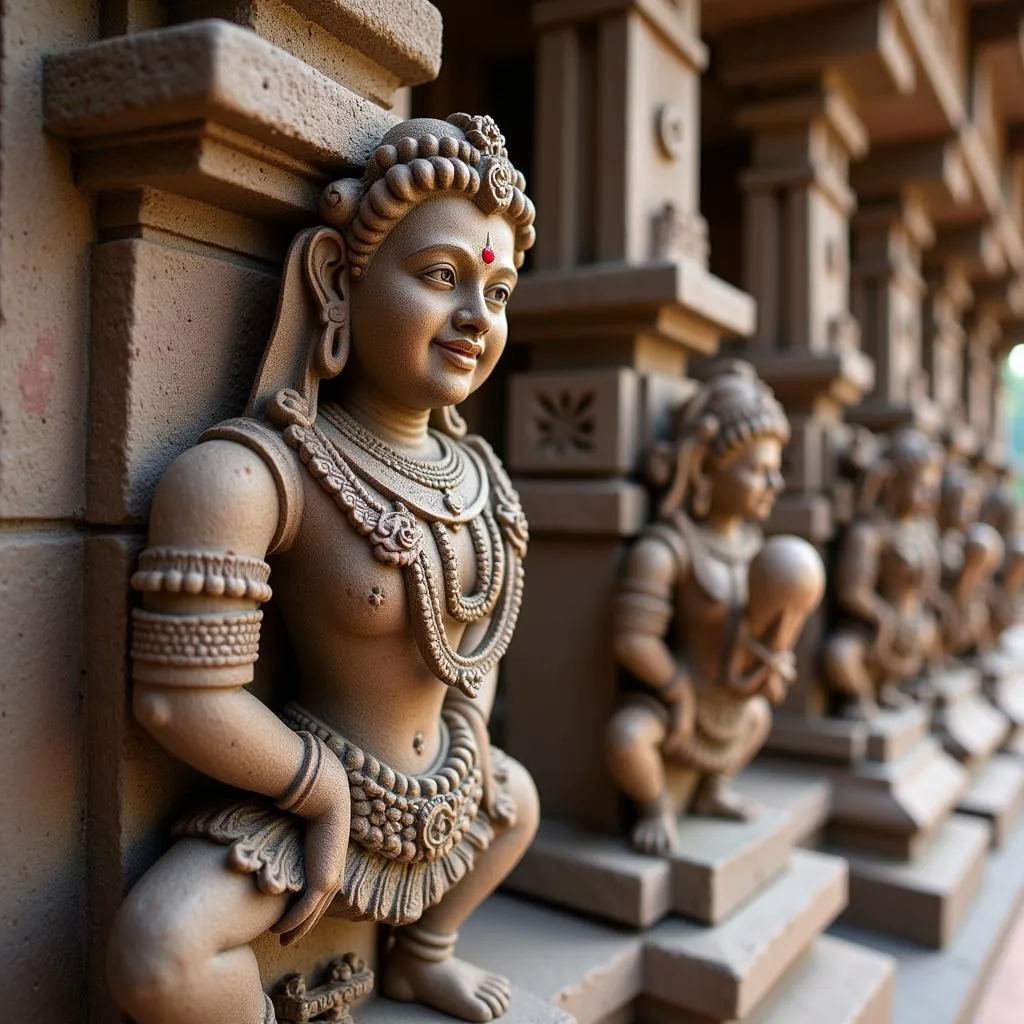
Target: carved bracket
(347, 980)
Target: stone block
(996, 794)
(719, 865)
(817, 737)
(834, 982)
(43, 859)
(44, 265)
(585, 508)
(924, 899)
(893, 734)
(725, 971)
(893, 807)
(970, 728)
(525, 1008)
(177, 337)
(944, 987)
(574, 422)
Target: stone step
(525, 1008)
(944, 987)
(894, 807)
(725, 971)
(593, 970)
(719, 865)
(834, 982)
(1004, 686)
(996, 794)
(971, 729)
(847, 741)
(923, 899)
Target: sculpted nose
(473, 319)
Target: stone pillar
(948, 293)
(204, 146)
(620, 301)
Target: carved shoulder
(656, 561)
(217, 496)
(859, 552)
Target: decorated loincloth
(728, 728)
(412, 838)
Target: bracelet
(213, 640)
(297, 795)
(180, 571)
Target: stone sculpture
(971, 552)
(886, 578)
(1001, 510)
(707, 612)
(397, 556)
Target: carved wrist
(312, 790)
(677, 689)
(181, 571)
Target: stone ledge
(186, 108)
(996, 795)
(525, 1008)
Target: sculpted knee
(524, 792)
(839, 660)
(627, 731)
(149, 956)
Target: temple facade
(831, 191)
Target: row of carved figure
(372, 791)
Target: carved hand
(328, 813)
(683, 709)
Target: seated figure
(886, 580)
(707, 612)
(971, 552)
(1002, 511)
(397, 546)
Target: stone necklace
(396, 538)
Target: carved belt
(407, 818)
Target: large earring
(326, 272)
(700, 501)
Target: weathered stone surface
(924, 899)
(525, 1008)
(176, 340)
(725, 971)
(719, 865)
(940, 987)
(44, 258)
(996, 794)
(42, 751)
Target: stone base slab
(893, 807)
(945, 987)
(924, 899)
(525, 1008)
(996, 794)
(835, 982)
(597, 972)
(719, 866)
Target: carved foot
(449, 985)
(718, 799)
(893, 698)
(864, 709)
(655, 833)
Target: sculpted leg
(421, 967)
(179, 952)
(845, 663)
(634, 740)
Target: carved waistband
(407, 818)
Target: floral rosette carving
(495, 184)
(397, 538)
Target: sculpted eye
(500, 293)
(444, 275)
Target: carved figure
(397, 553)
(1001, 510)
(971, 552)
(707, 612)
(886, 579)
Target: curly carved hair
(417, 159)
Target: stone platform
(767, 963)
(944, 987)
(923, 899)
(720, 864)
(970, 728)
(996, 794)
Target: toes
(492, 1003)
(498, 986)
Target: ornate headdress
(464, 154)
(730, 409)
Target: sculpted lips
(460, 352)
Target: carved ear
(326, 268)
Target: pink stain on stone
(36, 375)
(1003, 1002)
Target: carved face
(428, 315)
(748, 483)
(915, 489)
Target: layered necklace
(496, 525)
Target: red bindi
(487, 255)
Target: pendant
(453, 503)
